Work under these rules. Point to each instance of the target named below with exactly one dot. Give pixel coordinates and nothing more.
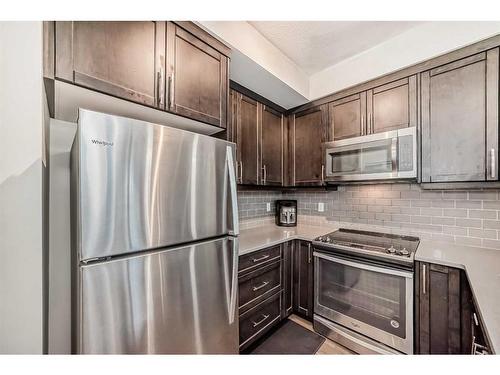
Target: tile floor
(328, 347)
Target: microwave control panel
(405, 153)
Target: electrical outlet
(321, 207)
(268, 206)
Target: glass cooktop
(382, 243)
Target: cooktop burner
(377, 244)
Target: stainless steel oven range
(363, 290)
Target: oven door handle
(360, 265)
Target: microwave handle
(394, 154)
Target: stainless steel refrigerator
(154, 237)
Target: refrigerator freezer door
(177, 301)
(140, 186)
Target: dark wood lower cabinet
(445, 318)
(255, 322)
(273, 283)
(303, 279)
(287, 278)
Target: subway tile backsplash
(468, 217)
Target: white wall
(415, 45)
(21, 188)
(59, 301)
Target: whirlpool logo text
(101, 143)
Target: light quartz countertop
(268, 235)
(481, 265)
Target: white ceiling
(316, 45)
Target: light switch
(268, 206)
(321, 207)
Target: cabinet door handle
(424, 278)
(493, 163)
(362, 124)
(255, 260)
(241, 172)
(264, 318)
(476, 322)
(322, 173)
(264, 178)
(160, 87)
(256, 288)
(171, 92)
(309, 253)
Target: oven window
(371, 297)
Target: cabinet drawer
(250, 261)
(259, 284)
(259, 319)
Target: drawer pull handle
(256, 288)
(264, 318)
(255, 260)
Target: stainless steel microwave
(382, 156)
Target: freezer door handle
(232, 191)
(234, 279)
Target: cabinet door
(123, 59)
(197, 78)
(308, 133)
(271, 147)
(287, 278)
(247, 136)
(347, 117)
(303, 279)
(460, 120)
(392, 106)
(438, 310)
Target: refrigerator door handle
(232, 191)
(234, 280)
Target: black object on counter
(286, 213)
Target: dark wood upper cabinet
(387, 107)
(259, 133)
(172, 66)
(460, 120)
(392, 106)
(307, 133)
(123, 59)
(197, 77)
(247, 139)
(272, 142)
(303, 289)
(347, 117)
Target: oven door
(372, 300)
